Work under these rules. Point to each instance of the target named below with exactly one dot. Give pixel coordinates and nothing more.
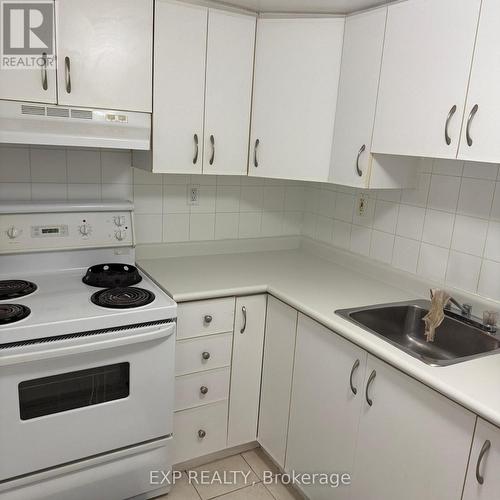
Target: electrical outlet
(361, 206)
(194, 195)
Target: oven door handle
(85, 344)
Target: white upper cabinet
(297, 66)
(479, 140)
(179, 87)
(104, 53)
(228, 95)
(425, 72)
(483, 481)
(37, 85)
(413, 443)
(201, 117)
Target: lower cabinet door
(413, 443)
(327, 398)
(279, 348)
(483, 480)
(246, 369)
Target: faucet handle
(467, 310)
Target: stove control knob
(119, 220)
(120, 234)
(85, 229)
(13, 232)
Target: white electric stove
(86, 356)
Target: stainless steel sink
(402, 325)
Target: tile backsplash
(229, 207)
(447, 230)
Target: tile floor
(245, 486)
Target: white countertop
(318, 287)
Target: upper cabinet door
(425, 71)
(483, 481)
(230, 54)
(479, 139)
(104, 50)
(179, 87)
(38, 84)
(297, 67)
(357, 99)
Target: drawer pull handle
(207, 318)
(201, 433)
(484, 450)
(371, 378)
(353, 369)
(244, 327)
(205, 355)
(204, 389)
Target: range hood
(50, 124)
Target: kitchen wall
(229, 206)
(447, 230)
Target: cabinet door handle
(484, 449)
(67, 74)
(447, 137)
(196, 148)
(45, 84)
(244, 327)
(207, 318)
(212, 157)
(204, 390)
(472, 114)
(355, 366)
(371, 378)
(205, 355)
(201, 433)
(255, 148)
(360, 152)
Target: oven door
(66, 399)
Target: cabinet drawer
(205, 317)
(200, 431)
(189, 389)
(204, 353)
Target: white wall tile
(201, 227)
(393, 195)
(144, 177)
(309, 224)
(147, 199)
(344, 207)
(480, 170)
(447, 167)
(14, 164)
(48, 165)
(342, 234)
(386, 216)
(292, 223)
(274, 198)
(438, 228)
(360, 240)
(226, 226)
(476, 196)
(84, 191)
(116, 167)
(419, 195)
(251, 198)
(228, 199)
(175, 227)
(148, 228)
(250, 224)
(227, 180)
(382, 245)
(492, 248)
(326, 204)
(463, 271)
(49, 191)
(443, 192)
(177, 179)
(175, 198)
(294, 199)
(117, 192)
(469, 235)
(324, 229)
(405, 255)
(489, 281)
(15, 191)
(410, 222)
(84, 165)
(432, 262)
(272, 224)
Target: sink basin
(402, 325)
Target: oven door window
(67, 391)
